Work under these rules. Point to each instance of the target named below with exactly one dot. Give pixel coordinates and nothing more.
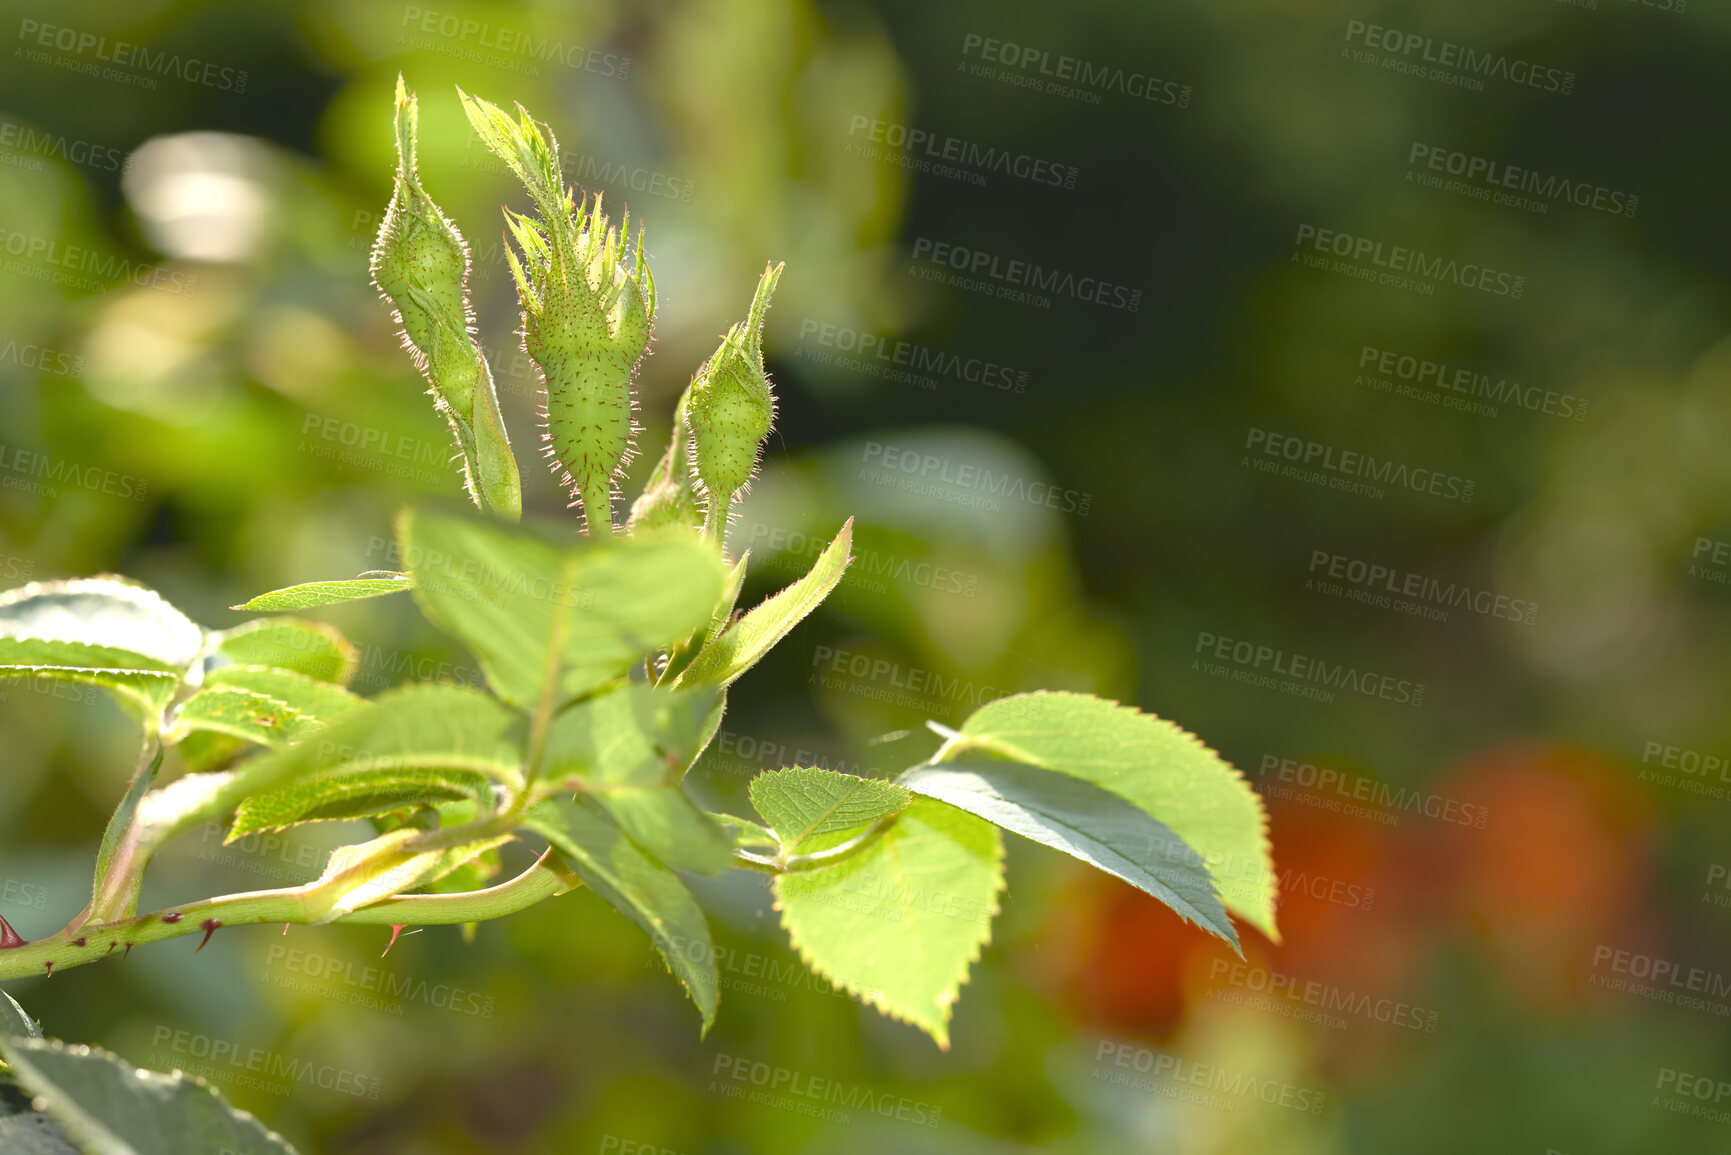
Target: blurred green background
(1507, 925)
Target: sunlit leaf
(637, 886)
(416, 727)
(1084, 821)
(743, 644)
(344, 793)
(1164, 770)
(802, 802)
(311, 594)
(899, 924)
(311, 648)
(510, 595)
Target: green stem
(784, 863)
(598, 510)
(69, 948)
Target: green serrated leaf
(1085, 822)
(422, 726)
(344, 793)
(321, 700)
(13, 1020)
(1164, 770)
(509, 595)
(311, 594)
(312, 648)
(803, 802)
(134, 677)
(898, 924)
(638, 887)
(110, 1107)
(743, 644)
(244, 714)
(102, 611)
(664, 821)
(637, 735)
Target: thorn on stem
(209, 926)
(172, 918)
(10, 938)
(396, 933)
(50, 966)
(78, 942)
(126, 952)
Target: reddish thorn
(78, 942)
(285, 927)
(111, 947)
(9, 938)
(209, 926)
(396, 930)
(175, 917)
(126, 952)
(50, 965)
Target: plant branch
(547, 878)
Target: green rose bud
(421, 266)
(588, 309)
(731, 408)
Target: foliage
(607, 658)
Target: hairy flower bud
(731, 407)
(421, 265)
(588, 310)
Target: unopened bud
(730, 405)
(588, 310)
(421, 265)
